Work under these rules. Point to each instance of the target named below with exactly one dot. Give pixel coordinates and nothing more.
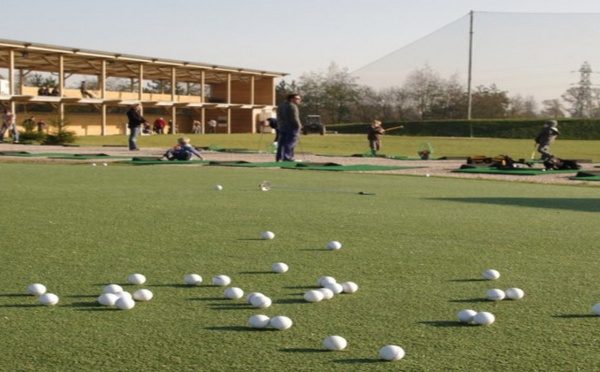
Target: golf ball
(218, 187)
(334, 245)
(267, 235)
(335, 343)
(327, 293)
(326, 279)
(280, 322)
(491, 274)
(192, 279)
(251, 295)
(596, 309)
(466, 316)
(136, 279)
(221, 280)
(93, 164)
(259, 321)
(279, 267)
(349, 287)
(261, 301)
(113, 288)
(104, 164)
(125, 303)
(495, 295)
(36, 289)
(391, 352)
(143, 295)
(484, 318)
(234, 293)
(426, 174)
(48, 299)
(313, 296)
(108, 299)
(336, 288)
(514, 293)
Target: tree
(519, 107)
(39, 80)
(489, 102)
(331, 94)
(552, 108)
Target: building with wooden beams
(237, 99)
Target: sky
(293, 37)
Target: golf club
(266, 186)
(533, 152)
(394, 128)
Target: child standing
(182, 151)
(546, 137)
(374, 136)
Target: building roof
(43, 57)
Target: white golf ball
(104, 164)
(259, 321)
(36, 289)
(261, 301)
(336, 288)
(514, 293)
(596, 309)
(218, 187)
(279, 267)
(108, 299)
(125, 303)
(113, 288)
(313, 296)
(491, 274)
(466, 316)
(192, 279)
(334, 245)
(136, 279)
(234, 293)
(335, 343)
(326, 279)
(484, 318)
(495, 295)
(349, 287)
(267, 235)
(93, 164)
(251, 295)
(48, 299)
(327, 293)
(124, 294)
(426, 174)
(281, 322)
(221, 280)
(143, 295)
(391, 352)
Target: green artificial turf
(416, 249)
(512, 171)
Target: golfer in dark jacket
(288, 118)
(545, 138)
(134, 114)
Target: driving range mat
(586, 176)
(511, 171)
(349, 168)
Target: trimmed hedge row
(579, 129)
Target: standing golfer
(545, 138)
(288, 118)
(134, 114)
(374, 136)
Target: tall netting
(535, 55)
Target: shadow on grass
(177, 285)
(575, 316)
(467, 280)
(99, 308)
(256, 272)
(470, 300)
(304, 350)
(82, 296)
(84, 304)
(572, 204)
(443, 323)
(240, 329)
(251, 239)
(314, 249)
(291, 301)
(220, 299)
(21, 305)
(16, 295)
(231, 307)
(358, 361)
(302, 287)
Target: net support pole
(470, 73)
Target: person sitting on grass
(182, 151)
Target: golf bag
(555, 163)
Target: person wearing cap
(546, 137)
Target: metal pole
(470, 72)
